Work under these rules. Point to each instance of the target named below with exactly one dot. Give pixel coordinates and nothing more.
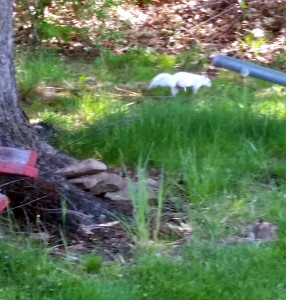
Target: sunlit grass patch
(134, 65)
(32, 69)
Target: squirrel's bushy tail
(164, 79)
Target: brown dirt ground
(171, 26)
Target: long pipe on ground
(249, 69)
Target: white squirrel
(180, 80)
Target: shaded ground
(37, 210)
(217, 26)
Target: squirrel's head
(207, 82)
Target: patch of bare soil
(218, 26)
(36, 210)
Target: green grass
(223, 151)
(32, 274)
(217, 148)
(207, 271)
(203, 270)
(33, 69)
(201, 141)
(135, 65)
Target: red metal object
(4, 202)
(18, 161)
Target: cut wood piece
(85, 167)
(89, 182)
(112, 183)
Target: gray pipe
(246, 68)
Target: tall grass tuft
(139, 198)
(43, 67)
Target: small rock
(90, 79)
(48, 94)
(124, 195)
(255, 232)
(88, 182)
(261, 230)
(112, 183)
(152, 182)
(41, 236)
(85, 167)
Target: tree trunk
(16, 131)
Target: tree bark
(16, 131)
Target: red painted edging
(18, 161)
(24, 157)
(12, 168)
